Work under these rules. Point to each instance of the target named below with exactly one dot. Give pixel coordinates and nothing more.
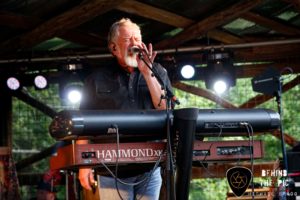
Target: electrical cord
(251, 143)
(202, 161)
(169, 97)
(115, 175)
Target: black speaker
(267, 82)
(293, 162)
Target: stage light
(220, 86)
(71, 93)
(13, 83)
(74, 96)
(220, 73)
(40, 82)
(187, 71)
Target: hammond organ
(74, 156)
(186, 123)
(92, 124)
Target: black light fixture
(220, 72)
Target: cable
(117, 160)
(115, 176)
(168, 95)
(251, 143)
(201, 161)
(170, 159)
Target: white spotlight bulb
(74, 96)
(187, 71)
(13, 83)
(220, 86)
(40, 82)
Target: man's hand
(86, 178)
(149, 56)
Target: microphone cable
(115, 175)
(170, 164)
(251, 144)
(210, 146)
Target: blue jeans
(147, 190)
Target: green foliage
(207, 189)
(216, 188)
(30, 132)
(30, 129)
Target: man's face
(128, 37)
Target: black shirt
(113, 88)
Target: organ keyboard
(79, 155)
(90, 124)
(184, 124)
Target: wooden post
(5, 117)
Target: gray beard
(131, 60)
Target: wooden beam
(203, 93)
(80, 37)
(209, 23)
(36, 157)
(262, 98)
(287, 138)
(39, 156)
(150, 12)
(224, 37)
(60, 24)
(30, 178)
(271, 52)
(218, 170)
(26, 23)
(16, 21)
(271, 24)
(252, 70)
(27, 98)
(295, 3)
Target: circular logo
(238, 180)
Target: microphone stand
(279, 107)
(169, 96)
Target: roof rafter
(60, 24)
(274, 25)
(295, 3)
(150, 12)
(209, 23)
(26, 23)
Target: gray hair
(114, 29)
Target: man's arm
(156, 92)
(86, 175)
(154, 86)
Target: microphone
(135, 50)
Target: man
(127, 84)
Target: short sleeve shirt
(112, 87)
